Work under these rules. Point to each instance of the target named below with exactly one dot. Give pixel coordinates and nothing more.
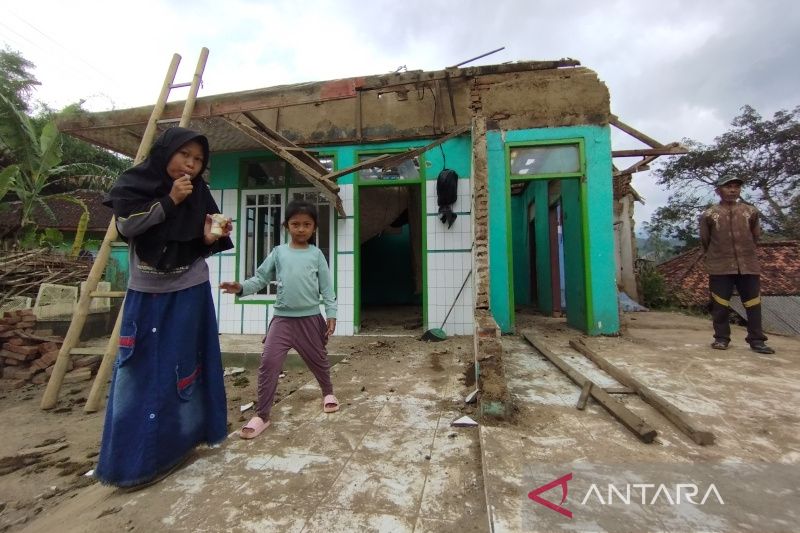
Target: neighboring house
(534, 164)
(66, 216)
(686, 276)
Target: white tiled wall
(446, 274)
(230, 313)
(448, 264)
(345, 266)
(345, 294)
(463, 203)
(449, 261)
(457, 237)
(346, 194)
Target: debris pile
(28, 356)
(21, 272)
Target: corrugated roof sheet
(780, 314)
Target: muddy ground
(44, 455)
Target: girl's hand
(230, 287)
(181, 188)
(331, 328)
(210, 238)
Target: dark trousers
(306, 335)
(721, 289)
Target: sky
(675, 70)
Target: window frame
(285, 191)
(577, 142)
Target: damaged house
(531, 224)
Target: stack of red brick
(28, 356)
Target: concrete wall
(593, 302)
(447, 251)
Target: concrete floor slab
(748, 401)
(388, 461)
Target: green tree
(16, 80)
(37, 154)
(765, 153)
(98, 166)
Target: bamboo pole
(71, 339)
(188, 107)
(104, 372)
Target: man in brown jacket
(729, 233)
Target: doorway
(390, 260)
(547, 247)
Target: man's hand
(181, 188)
(230, 287)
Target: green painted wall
(574, 263)
(519, 245)
(520, 230)
(501, 296)
(542, 246)
(598, 313)
(386, 268)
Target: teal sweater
(302, 276)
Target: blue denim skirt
(167, 394)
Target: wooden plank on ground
(628, 418)
(672, 413)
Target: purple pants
(306, 335)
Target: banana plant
(37, 157)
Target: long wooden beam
(633, 132)
(327, 188)
(299, 151)
(385, 161)
(650, 151)
(672, 413)
(638, 166)
(628, 418)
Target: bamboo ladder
(68, 348)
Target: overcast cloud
(675, 69)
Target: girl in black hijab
(167, 394)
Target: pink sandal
(253, 428)
(330, 404)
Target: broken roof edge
(317, 91)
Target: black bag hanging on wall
(446, 195)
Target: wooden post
(584, 397)
(104, 372)
(629, 419)
(672, 413)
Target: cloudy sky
(675, 69)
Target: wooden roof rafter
(648, 155)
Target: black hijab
(178, 241)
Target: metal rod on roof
(478, 57)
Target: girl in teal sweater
(303, 276)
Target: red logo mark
(562, 481)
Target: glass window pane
(407, 170)
(555, 159)
(262, 232)
(296, 179)
(265, 173)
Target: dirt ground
(44, 455)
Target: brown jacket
(729, 235)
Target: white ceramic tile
(230, 203)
